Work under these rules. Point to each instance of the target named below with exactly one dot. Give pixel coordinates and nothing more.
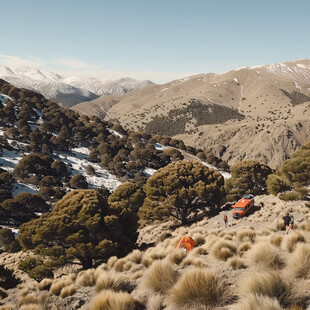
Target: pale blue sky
(157, 40)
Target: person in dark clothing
(286, 220)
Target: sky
(156, 40)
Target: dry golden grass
(177, 256)
(305, 225)
(27, 299)
(199, 238)
(147, 261)
(299, 261)
(236, 262)
(136, 275)
(135, 256)
(257, 302)
(111, 261)
(68, 291)
(270, 284)
(244, 247)
(110, 300)
(86, 278)
(290, 241)
(201, 288)
(265, 255)
(192, 261)
(113, 281)
(7, 307)
(119, 265)
(160, 277)
(222, 250)
(31, 307)
(246, 234)
(45, 284)
(276, 240)
(59, 284)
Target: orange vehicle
(242, 207)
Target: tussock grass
(7, 307)
(119, 265)
(276, 240)
(147, 261)
(299, 262)
(113, 281)
(270, 284)
(236, 262)
(201, 250)
(246, 234)
(177, 256)
(110, 300)
(135, 256)
(136, 275)
(244, 247)
(305, 225)
(68, 291)
(192, 261)
(31, 307)
(201, 288)
(27, 299)
(158, 253)
(265, 255)
(199, 238)
(111, 261)
(290, 241)
(59, 284)
(222, 250)
(86, 278)
(45, 284)
(160, 277)
(257, 302)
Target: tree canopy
(81, 226)
(180, 190)
(247, 176)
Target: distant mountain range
(259, 112)
(67, 90)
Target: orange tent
(186, 243)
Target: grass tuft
(266, 255)
(290, 241)
(236, 262)
(110, 300)
(299, 262)
(113, 281)
(244, 247)
(222, 250)
(45, 284)
(86, 278)
(68, 291)
(177, 256)
(270, 284)
(276, 240)
(59, 284)
(257, 302)
(201, 288)
(160, 277)
(246, 234)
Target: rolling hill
(259, 112)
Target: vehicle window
(239, 209)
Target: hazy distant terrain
(260, 112)
(67, 90)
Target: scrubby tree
(36, 164)
(180, 190)
(32, 201)
(247, 176)
(82, 227)
(293, 176)
(127, 196)
(78, 181)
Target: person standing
(225, 218)
(291, 224)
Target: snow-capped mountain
(67, 90)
